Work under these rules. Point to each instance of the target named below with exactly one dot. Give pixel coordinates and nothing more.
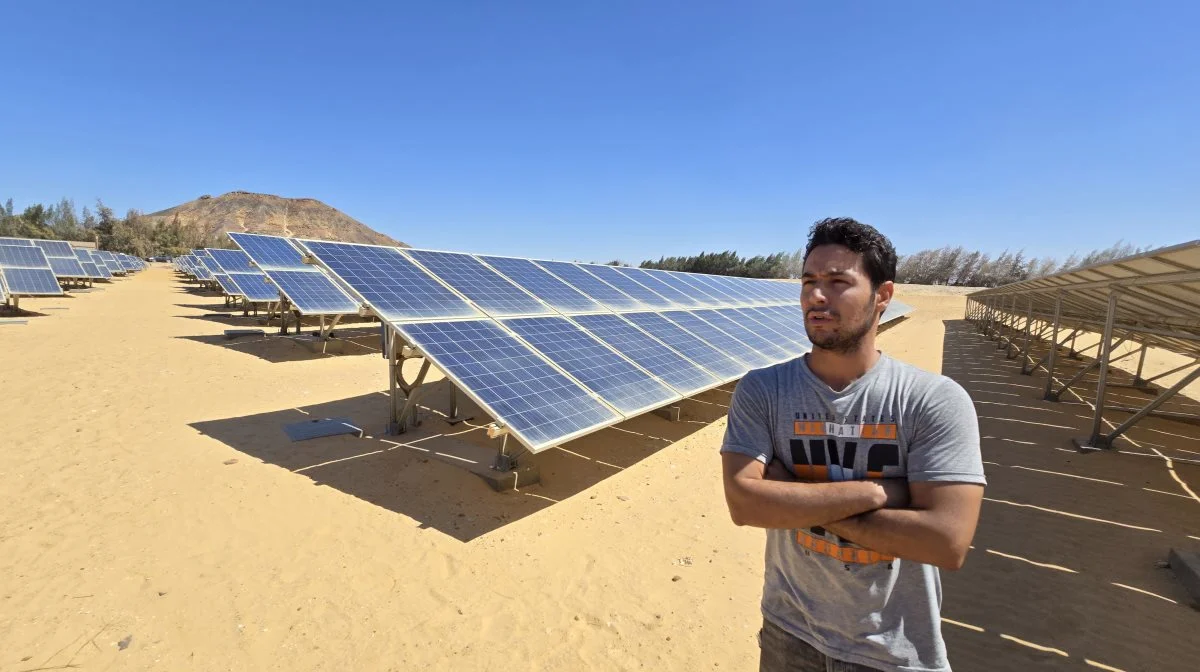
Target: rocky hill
(273, 215)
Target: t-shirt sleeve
(750, 427)
(945, 440)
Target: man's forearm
(787, 505)
(909, 534)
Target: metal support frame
(1137, 377)
(1098, 440)
(403, 417)
(1105, 353)
(1052, 355)
(1055, 395)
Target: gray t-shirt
(849, 602)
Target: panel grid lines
(489, 290)
(544, 285)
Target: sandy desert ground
(153, 515)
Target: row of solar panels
(33, 267)
(552, 350)
(231, 270)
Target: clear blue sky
(600, 130)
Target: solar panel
(228, 287)
(651, 354)
(675, 295)
(55, 248)
(394, 286)
(232, 261)
(619, 382)
(784, 329)
(702, 289)
(536, 402)
(67, 268)
(31, 282)
(90, 269)
(733, 326)
(488, 289)
(606, 294)
(312, 293)
(22, 256)
(689, 345)
(5, 240)
(627, 285)
(270, 252)
(539, 282)
(255, 287)
(719, 339)
(737, 293)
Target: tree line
(133, 234)
(943, 266)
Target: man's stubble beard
(844, 342)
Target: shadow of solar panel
(489, 290)
(312, 293)
(537, 403)
(719, 339)
(649, 353)
(658, 285)
(744, 333)
(689, 345)
(624, 386)
(67, 268)
(628, 285)
(23, 256)
(575, 276)
(542, 284)
(31, 282)
(394, 286)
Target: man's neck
(839, 369)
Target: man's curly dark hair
(879, 257)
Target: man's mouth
(820, 317)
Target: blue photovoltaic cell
(737, 292)
(100, 266)
(232, 261)
(618, 382)
(22, 256)
(649, 353)
(202, 273)
(702, 289)
(67, 268)
(254, 287)
(27, 242)
(55, 248)
(627, 285)
(689, 345)
(719, 339)
(90, 269)
(520, 389)
(31, 282)
(782, 331)
(312, 293)
(589, 284)
(270, 252)
(537, 281)
(127, 263)
(664, 289)
(226, 286)
(733, 325)
(487, 288)
(394, 286)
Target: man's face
(839, 304)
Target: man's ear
(883, 296)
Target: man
(865, 472)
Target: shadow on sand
(1064, 567)
(404, 474)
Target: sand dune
(153, 516)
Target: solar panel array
(306, 287)
(553, 350)
(27, 271)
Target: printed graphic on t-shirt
(828, 448)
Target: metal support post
(1105, 354)
(1137, 377)
(1025, 346)
(1106, 440)
(1056, 395)
(1053, 347)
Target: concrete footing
(1186, 566)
